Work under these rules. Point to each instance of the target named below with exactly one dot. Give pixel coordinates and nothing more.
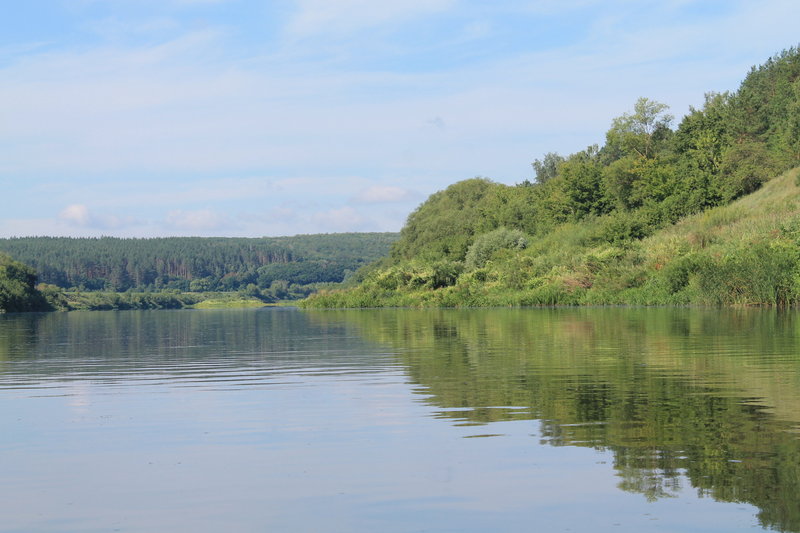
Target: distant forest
(197, 263)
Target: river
(564, 419)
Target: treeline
(578, 232)
(197, 264)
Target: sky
(148, 118)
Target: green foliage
(443, 274)
(278, 290)
(54, 296)
(18, 288)
(227, 301)
(641, 133)
(632, 182)
(766, 109)
(621, 227)
(677, 273)
(747, 253)
(618, 181)
(547, 168)
(599, 221)
(443, 227)
(512, 207)
(197, 264)
(704, 134)
(487, 244)
(582, 182)
(418, 275)
(745, 167)
(115, 301)
(760, 274)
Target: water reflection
(178, 348)
(712, 397)
(361, 414)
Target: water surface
(400, 420)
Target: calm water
(400, 420)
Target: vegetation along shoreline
(707, 213)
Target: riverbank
(746, 253)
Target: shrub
(675, 274)
(745, 166)
(487, 244)
(759, 274)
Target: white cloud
(199, 220)
(378, 194)
(175, 121)
(177, 108)
(173, 193)
(336, 220)
(553, 7)
(344, 16)
(76, 214)
(34, 227)
(282, 213)
(79, 215)
(312, 186)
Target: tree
(17, 287)
(444, 225)
(582, 176)
(638, 133)
(704, 133)
(745, 167)
(547, 168)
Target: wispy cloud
(345, 16)
(209, 127)
(201, 221)
(340, 219)
(79, 216)
(76, 214)
(381, 194)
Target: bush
(17, 288)
(745, 167)
(675, 274)
(445, 273)
(759, 274)
(487, 244)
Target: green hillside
(705, 214)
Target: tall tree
(547, 168)
(638, 133)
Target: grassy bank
(121, 301)
(230, 303)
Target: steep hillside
(744, 253)
(653, 216)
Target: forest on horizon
(269, 268)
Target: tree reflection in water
(705, 397)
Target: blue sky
(139, 118)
